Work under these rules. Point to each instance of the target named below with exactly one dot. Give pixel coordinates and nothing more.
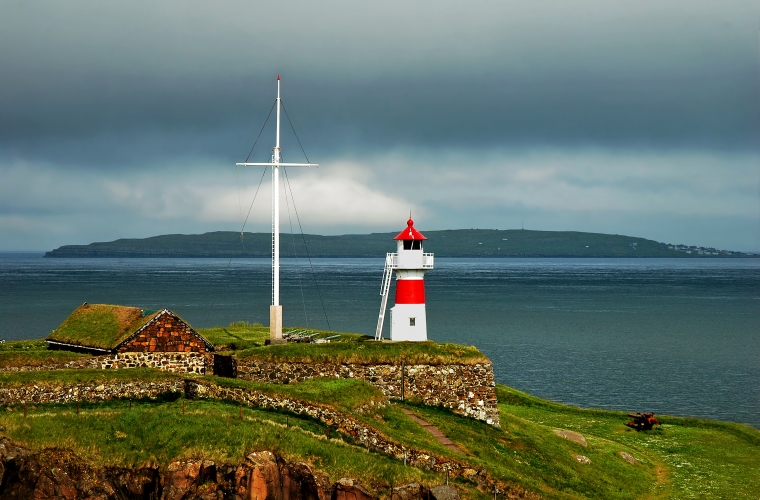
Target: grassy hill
(449, 243)
(684, 458)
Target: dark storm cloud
(124, 118)
(132, 122)
(88, 82)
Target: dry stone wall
(345, 423)
(468, 390)
(87, 391)
(176, 362)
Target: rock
(350, 489)
(571, 436)
(444, 492)
(138, 483)
(180, 479)
(411, 491)
(299, 482)
(582, 459)
(264, 480)
(628, 457)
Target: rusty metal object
(642, 421)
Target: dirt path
(448, 443)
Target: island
(448, 243)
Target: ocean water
(672, 336)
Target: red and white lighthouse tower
(408, 318)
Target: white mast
(275, 310)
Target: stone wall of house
(468, 390)
(166, 333)
(175, 362)
(47, 392)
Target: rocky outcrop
(57, 474)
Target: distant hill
(449, 243)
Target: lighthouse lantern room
(409, 263)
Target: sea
(673, 336)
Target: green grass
(684, 458)
(247, 342)
(32, 353)
(240, 335)
(112, 434)
(348, 395)
(363, 350)
(343, 394)
(694, 458)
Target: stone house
(101, 329)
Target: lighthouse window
(412, 244)
(411, 321)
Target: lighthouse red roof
(410, 233)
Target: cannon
(642, 421)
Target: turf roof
(103, 326)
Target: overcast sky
(125, 119)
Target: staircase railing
(384, 288)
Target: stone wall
(465, 389)
(175, 362)
(343, 422)
(42, 392)
(468, 390)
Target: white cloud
(587, 190)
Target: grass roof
(103, 326)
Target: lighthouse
(409, 263)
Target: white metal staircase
(384, 288)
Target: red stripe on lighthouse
(410, 292)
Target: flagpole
(275, 310)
